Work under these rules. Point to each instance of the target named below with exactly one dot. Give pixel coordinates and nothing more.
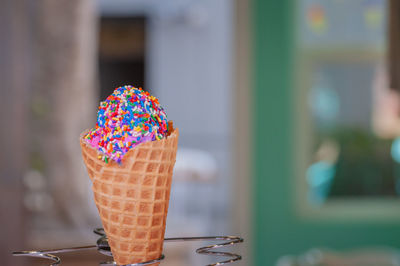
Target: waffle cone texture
(132, 197)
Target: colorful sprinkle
(128, 117)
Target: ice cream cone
(132, 197)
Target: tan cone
(132, 198)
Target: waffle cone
(132, 197)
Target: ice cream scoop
(128, 117)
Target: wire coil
(103, 247)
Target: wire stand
(103, 247)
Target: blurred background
(289, 114)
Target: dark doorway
(121, 53)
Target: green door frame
(277, 229)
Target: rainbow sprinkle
(128, 117)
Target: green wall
(277, 230)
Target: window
(348, 117)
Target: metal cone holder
(103, 247)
